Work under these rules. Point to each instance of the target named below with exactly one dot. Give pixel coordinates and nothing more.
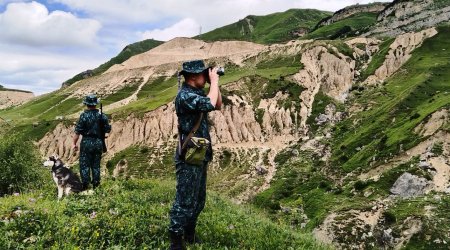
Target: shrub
(20, 167)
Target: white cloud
(208, 13)
(32, 24)
(40, 49)
(187, 27)
(41, 71)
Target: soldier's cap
(90, 100)
(194, 67)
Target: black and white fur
(66, 181)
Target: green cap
(90, 100)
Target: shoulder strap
(194, 129)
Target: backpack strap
(182, 146)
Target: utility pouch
(196, 150)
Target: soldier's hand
(213, 76)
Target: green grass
(141, 164)
(122, 93)
(129, 51)
(273, 28)
(134, 214)
(377, 59)
(160, 91)
(419, 89)
(320, 102)
(344, 28)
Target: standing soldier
(192, 106)
(89, 126)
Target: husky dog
(66, 181)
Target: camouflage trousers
(90, 156)
(190, 196)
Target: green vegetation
(142, 161)
(377, 59)
(134, 214)
(20, 166)
(125, 54)
(131, 86)
(347, 27)
(320, 102)
(273, 28)
(395, 109)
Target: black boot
(190, 236)
(85, 186)
(176, 241)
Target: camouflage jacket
(88, 124)
(189, 103)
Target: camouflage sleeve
(107, 126)
(79, 127)
(194, 102)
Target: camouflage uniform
(91, 145)
(191, 180)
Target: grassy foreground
(127, 214)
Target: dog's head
(54, 162)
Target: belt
(92, 136)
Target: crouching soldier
(194, 149)
(92, 125)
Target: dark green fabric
(91, 100)
(91, 145)
(190, 196)
(195, 67)
(189, 103)
(90, 157)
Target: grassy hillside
(273, 28)
(125, 54)
(409, 96)
(133, 214)
(349, 26)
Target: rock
(408, 185)
(261, 170)
(387, 238)
(321, 119)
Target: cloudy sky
(45, 42)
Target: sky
(45, 42)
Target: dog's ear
(56, 157)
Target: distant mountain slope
(13, 97)
(402, 16)
(273, 28)
(351, 10)
(347, 27)
(125, 54)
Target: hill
(127, 52)
(347, 139)
(273, 28)
(13, 97)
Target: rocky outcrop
(351, 10)
(433, 123)
(408, 185)
(399, 53)
(233, 124)
(10, 98)
(325, 69)
(407, 16)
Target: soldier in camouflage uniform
(91, 143)
(191, 179)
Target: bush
(20, 167)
